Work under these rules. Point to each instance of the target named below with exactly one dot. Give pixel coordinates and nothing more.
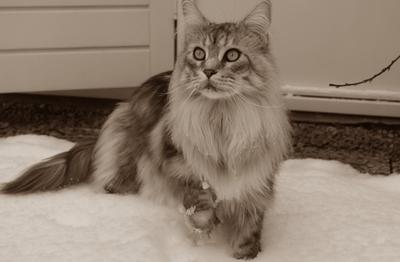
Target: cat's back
(148, 102)
(133, 120)
(153, 92)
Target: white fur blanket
(323, 211)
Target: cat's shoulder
(151, 97)
(158, 83)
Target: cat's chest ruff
(211, 145)
(234, 184)
(223, 142)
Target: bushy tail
(62, 170)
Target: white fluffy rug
(324, 211)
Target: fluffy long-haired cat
(210, 135)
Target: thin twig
(368, 79)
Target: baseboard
(343, 101)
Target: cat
(210, 135)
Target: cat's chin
(214, 95)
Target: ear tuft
(260, 18)
(192, 15)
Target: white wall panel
(73, 28)
(36, 3)
(66, 70)
(318, 42)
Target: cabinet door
(83, 44)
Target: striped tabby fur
(211, 119)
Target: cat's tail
(62, 170)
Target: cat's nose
(209, 72)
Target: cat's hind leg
(117, 151)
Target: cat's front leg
(244, 222)
(200, 206)
(247, 238)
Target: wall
(322, 41)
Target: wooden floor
(369, 144)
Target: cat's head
(220, 61)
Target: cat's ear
(260, 18)
(192, 15)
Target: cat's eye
(199, 54)
(232, 55)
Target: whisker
(251, 103)
(189, 96)
(184, 83)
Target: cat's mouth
(211, 91)
(210, 87)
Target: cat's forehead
(221, 34)
(225, 35)
(218, 35)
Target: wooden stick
(368, 80)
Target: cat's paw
(200, 207)
(202, 221)
(247, 250)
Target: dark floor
(370, 145)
